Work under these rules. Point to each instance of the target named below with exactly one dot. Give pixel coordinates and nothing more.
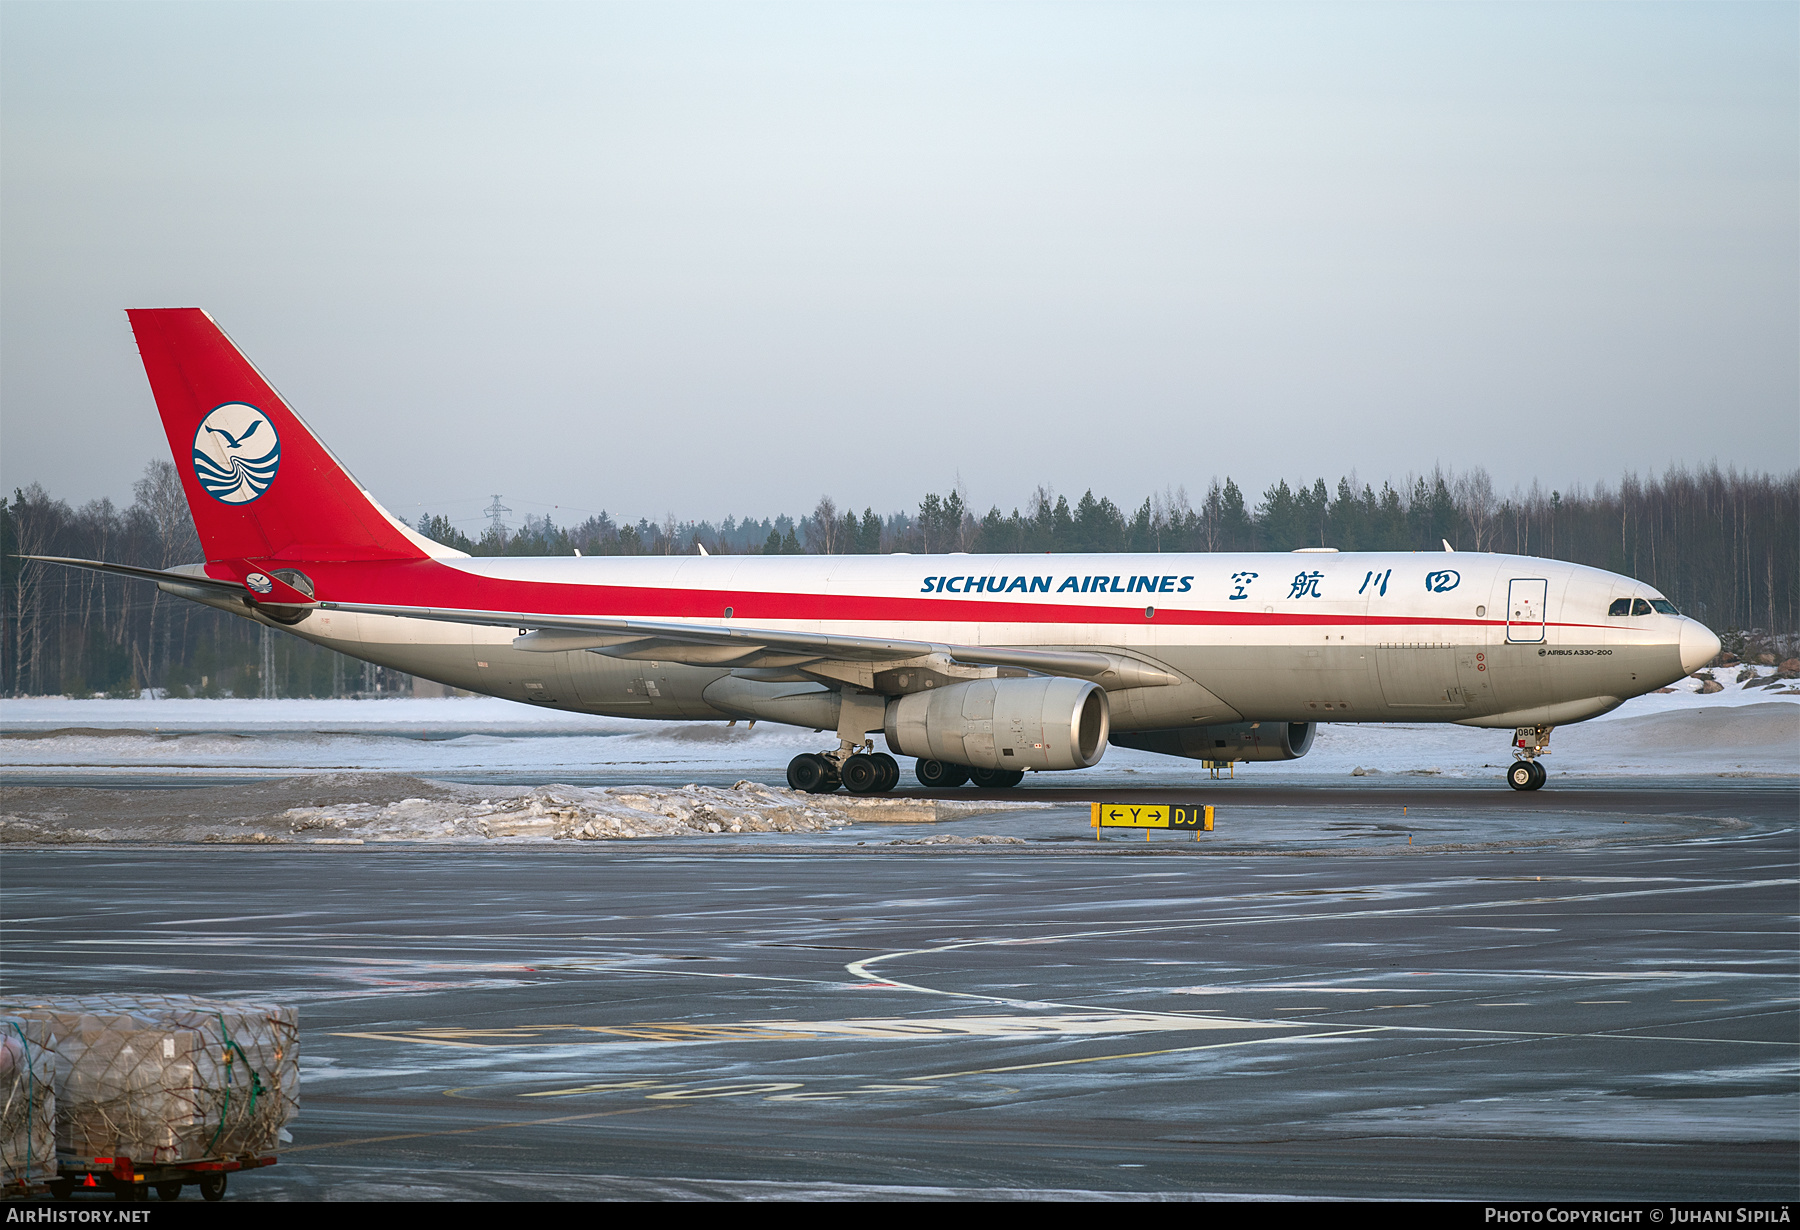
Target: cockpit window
(1640, 607)
(1620, 606)
(1664, 606)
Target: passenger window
(1664, 606)
(1620, 606)
(1640, 607)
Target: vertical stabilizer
(259, 483)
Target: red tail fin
(260, 484)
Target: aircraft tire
(890, 771)
(863, 774)
(1523, 776)
(939, 774)
(996, 779)
(1540, 775)
(809, 772)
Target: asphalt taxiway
(1577, 1015)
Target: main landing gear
(941, 774)
(878, 772)
(1530, 742)
(859, 772)
(860, 769)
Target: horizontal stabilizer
(198, 580)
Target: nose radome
(1698, 645)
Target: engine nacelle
(1033, 723)
(1242, 741)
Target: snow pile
(358, 808)
(1772, 680)
(945, 839)
(572, 813)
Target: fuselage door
(1525, 610)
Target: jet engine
(1032, 723)
(1241, 741)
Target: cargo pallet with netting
(160, 1091)
(27, 1108)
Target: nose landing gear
(1526, 775)
(1530, 742)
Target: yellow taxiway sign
(1197, 817)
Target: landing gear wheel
(212, 1187)
(890, 771)
(62, 1189)
(995, 779)
(940, 774)
(812, 773)
(863, 774)
(1524, 775)
(168, 1191)
(1541, 773)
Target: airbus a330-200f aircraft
(979, 666)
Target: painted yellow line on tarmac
(692, 1093)
(1174, 1050)
(489, 1127)
(607, 1087)
(403, 1038)
(1050, 1025)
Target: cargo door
(611, 683)
(1419, 675)
(1525, 601)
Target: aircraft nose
(1698, 645)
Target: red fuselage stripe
(429, 583)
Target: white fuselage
(1486, 640)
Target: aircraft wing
(734, 646)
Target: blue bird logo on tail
(236, 453)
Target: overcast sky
(721, 259)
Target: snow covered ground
(1742, 730)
